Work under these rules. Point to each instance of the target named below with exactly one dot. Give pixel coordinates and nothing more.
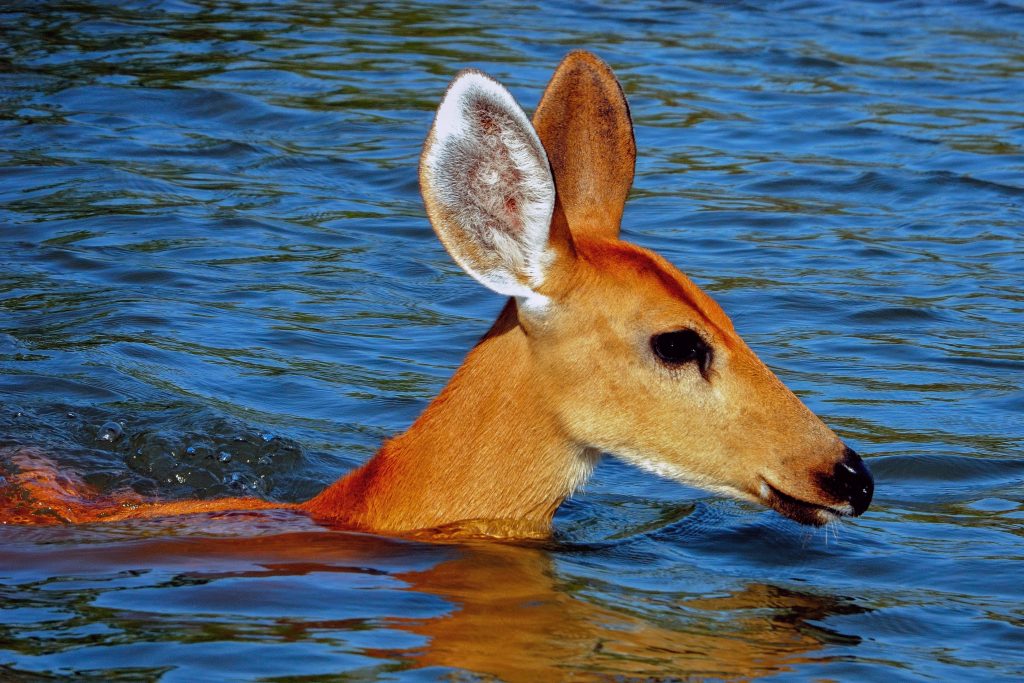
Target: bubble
(268, 436)
(224, 456)
(191, 450)
(111, 432)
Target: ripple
(894, 315)
(213, 233)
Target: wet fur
(566, 373)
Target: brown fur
(583, 108)
(522, 422)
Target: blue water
(211, 234)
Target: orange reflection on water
(511, 613)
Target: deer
(603, 347)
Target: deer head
(628, 354)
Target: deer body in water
(603, 347)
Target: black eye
(682, 346)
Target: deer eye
(681, 347)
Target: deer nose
(850, 481)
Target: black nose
(851, 481)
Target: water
(217, 279)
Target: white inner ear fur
(488, 186)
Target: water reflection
(519, 620)
(491, 609)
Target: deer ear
(487, 186)
(583, 121)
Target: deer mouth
(800, 510)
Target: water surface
(211, 234)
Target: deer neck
(487, 456)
